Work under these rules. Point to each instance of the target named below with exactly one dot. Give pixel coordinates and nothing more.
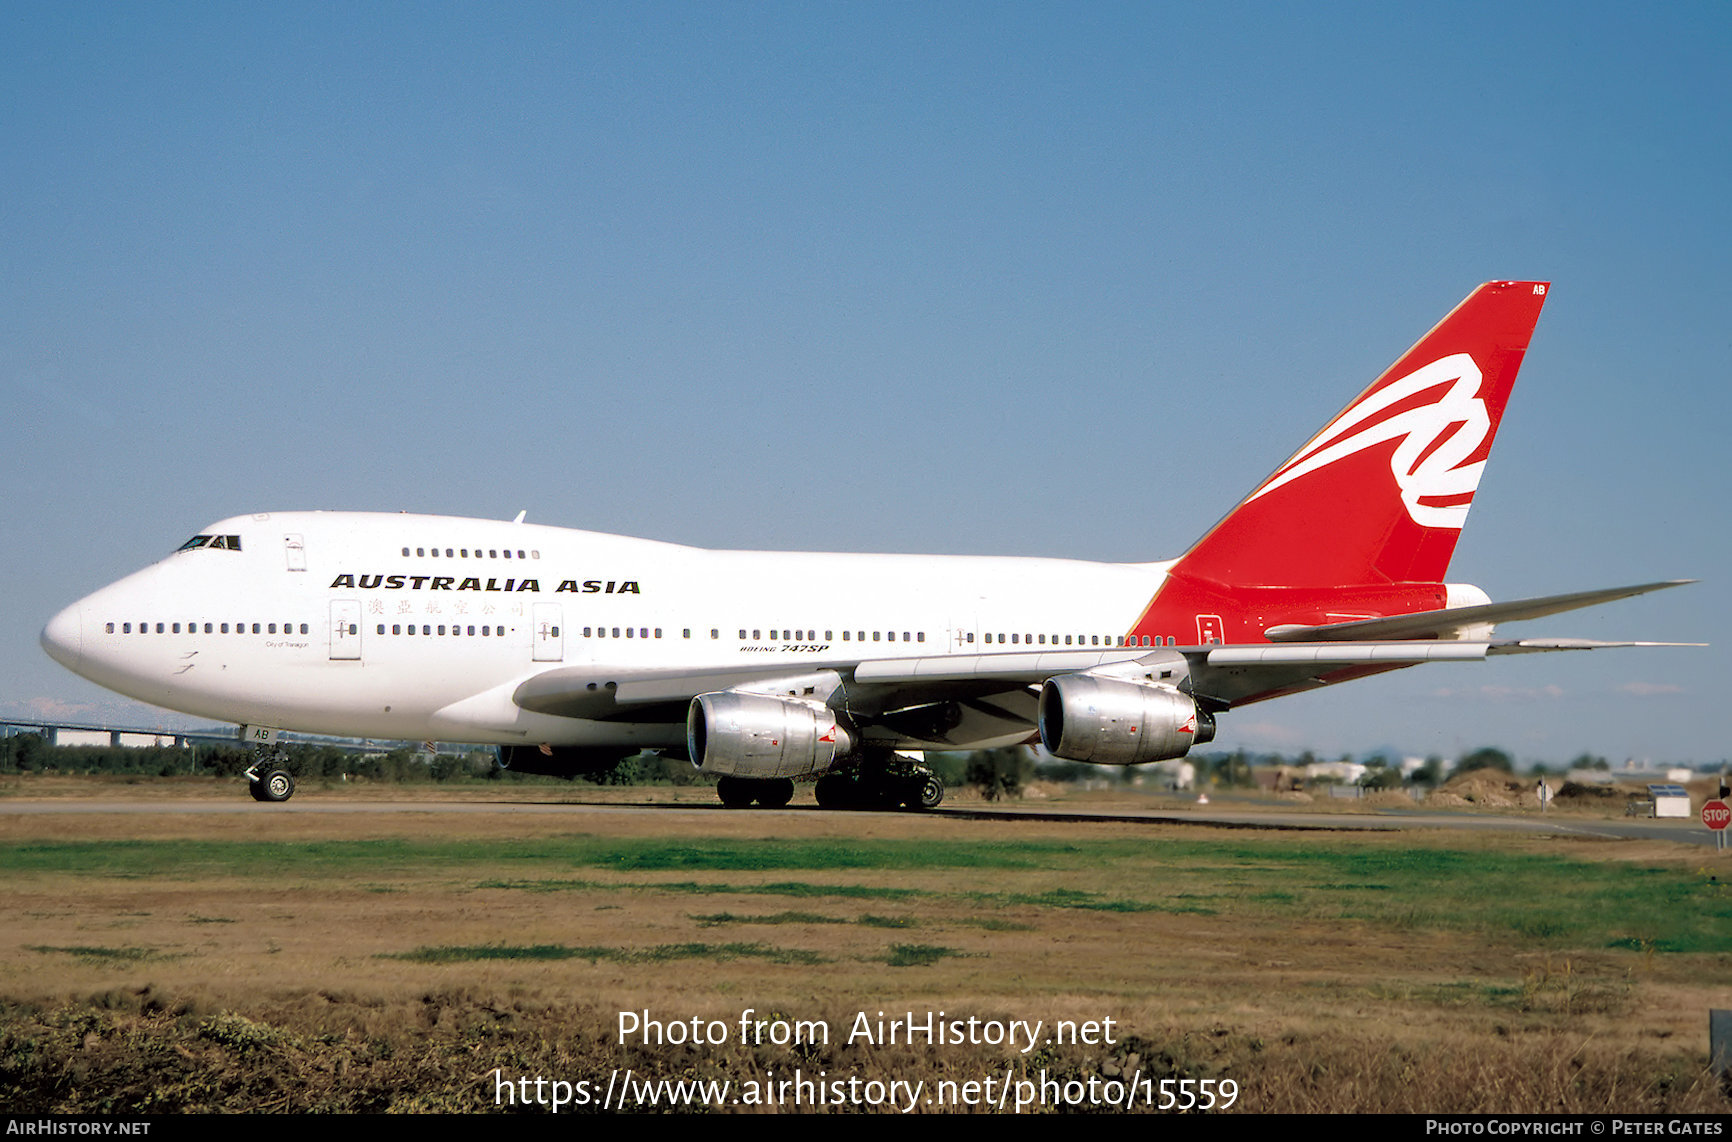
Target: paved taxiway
(1681, 832)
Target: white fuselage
(404, 626)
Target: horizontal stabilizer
(1447, 624)
(1228, 676)
(1539, 645)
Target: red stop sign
(1716, 815)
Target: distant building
(1334, 772)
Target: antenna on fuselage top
(520, 516)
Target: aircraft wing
(1220, 676)
(607, 693)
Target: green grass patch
(993, 924)
(715, 919)
(1503, 890)
(109, 955)
(758, 855)
(1088, 901)
(872, 921)
(186, 858)
(1468, 993)
(451, 954)
(698, 888)
(917, 955)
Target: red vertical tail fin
(1381, 493)
(1364, 518)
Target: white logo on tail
(1435, 440)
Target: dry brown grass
(285, 987)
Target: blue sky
(998, 279)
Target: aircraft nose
(63, 637)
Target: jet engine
(761, 736)
(1109, 721)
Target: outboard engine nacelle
(758, 735)
(1108, 721)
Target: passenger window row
(468, 553)
(776, 634)
(1021, 639)
(207, 628)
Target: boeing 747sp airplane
(570, 649)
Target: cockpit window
(226, 542)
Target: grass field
(404, 961)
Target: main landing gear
(880, 779)
(269, 778)
(871, 779)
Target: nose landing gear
(268, 779)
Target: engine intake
(1112, 722)
(757, 735)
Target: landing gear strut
(269, 778)
(880, 779)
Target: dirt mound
(1492, 788)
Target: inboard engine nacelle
(757, 735)
(1108, 721)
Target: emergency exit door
(346, 629)
(549, 637)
